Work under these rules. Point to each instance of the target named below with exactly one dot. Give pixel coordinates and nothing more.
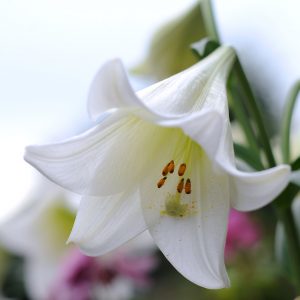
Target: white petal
(202, 85)
(199, 86)
(105, 160)
(193, 243)
(73, 163)
(204, 127)
(251, 191)
(105, 223)
(111, 89)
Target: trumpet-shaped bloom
(161, 159)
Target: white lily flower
(181, 126)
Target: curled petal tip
(255, 190)
(110, 89)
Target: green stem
(286, 122)
(287, 218)
(242, 118)
(255, 113)
(209, 19)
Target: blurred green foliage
(12, 285)
(3, 263)
(170, 52)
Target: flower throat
(173, 205)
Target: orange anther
(171, 166)
(180, 185)
(161, 182)
(188, 186)
(181, 169)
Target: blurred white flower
(56, 271)
(38, 232)
(163, 160)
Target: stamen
(165, 170)
(171, 166)
(181, 169)
(180, 185)
(188, 186)
(161, 182)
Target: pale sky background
(266, 35)
(50, 51)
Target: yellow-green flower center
(180, 204)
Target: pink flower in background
(75, 278)
(243, 233)
(111, 277)
(136, 267)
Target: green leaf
(287, 240)
(296, 164)
(287, 120)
